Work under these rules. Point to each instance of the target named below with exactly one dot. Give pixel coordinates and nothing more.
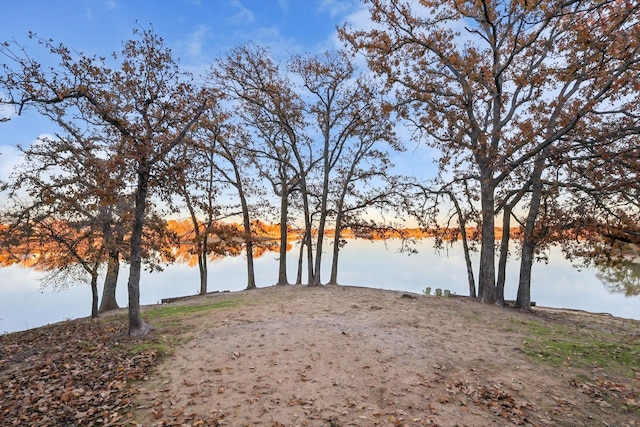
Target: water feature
(24, 305)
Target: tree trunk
(201, 241)
(110, 282)
(282, 262)
(523, 299)
(318, 260)
(469, 264)
(202, 268)
(333, 279)
(308, 244)
(246, 222)
(504, 253)
(323, 215)
(465, 246)
(94, 292)
(307, 230)
(320, 238)
(487, 274)
(251, 277)
(137, 327)
(201, 253)
(300, 260)
(246, 217)
(304, 194)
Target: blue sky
(198, 31)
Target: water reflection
(24, 305)
(620, 277)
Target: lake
(24, 305)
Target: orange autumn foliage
(226, 239)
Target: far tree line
(532, 107)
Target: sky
(197, 31)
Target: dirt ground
(348, 356)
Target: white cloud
(102, 4)
(360, 18)
(354, 13)
(197, 38)
(7, 112)
(243, 16)
(10, 157)
(280, 46)
(110, 4)
(335, 8)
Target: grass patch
(563, 345)
(160, 346)
(167, 323)
(170, 311)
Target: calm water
(24, 305)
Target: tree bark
(137, 327)
(300, 260)
(307, 227)
(523, 299)
(203, 270)
(94, 292)
(284, 214)
(333, 279)
(246, 223)
(201, 242)
(251, 277)
(504, 254)
(321, 226)
(108, 301)
(465, 246)
(487, 273)
(320, 237)
(469, 264)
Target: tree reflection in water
(620, 277)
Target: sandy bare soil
(347, 356)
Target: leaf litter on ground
(70, 373)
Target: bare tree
(200, 186)
(350, 124)
(272, 110)
(233, 167)
(362, 181)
